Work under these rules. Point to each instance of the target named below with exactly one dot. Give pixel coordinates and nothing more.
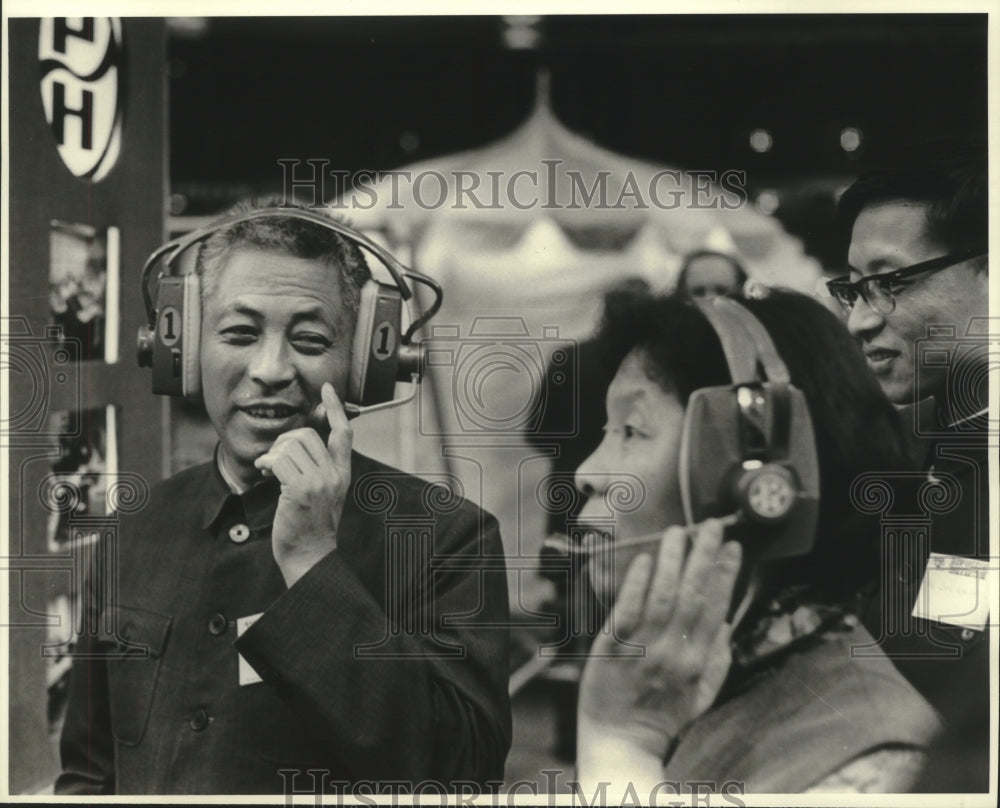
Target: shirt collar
(216, 492)
(258, 503)
(231, 481)
(255, 507)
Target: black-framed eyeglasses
(878, 290)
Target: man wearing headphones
(273, 620)
(917, 301)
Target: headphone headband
(748, 347)
(749, 445)
(381, 354)
(179, 245)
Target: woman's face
(631, 481)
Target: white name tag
(955, 590)
(248, 675)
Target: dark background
(373, 93)
(681, 90)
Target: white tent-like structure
(524, 258)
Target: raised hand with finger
(314, 479)
(632, 705)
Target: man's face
(889, 236)
(711, 276)
(639, 453)
(273, 331)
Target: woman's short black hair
(857, 430)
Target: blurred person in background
(707, 273)
(747, 676)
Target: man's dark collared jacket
(387, 661)
(948, 664)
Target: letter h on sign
(85, 113)
(61, 31)
(81, 64)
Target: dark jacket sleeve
(86, 746)
(413, 687)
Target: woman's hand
(635, 698)
(314, 480)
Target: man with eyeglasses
(917, 300)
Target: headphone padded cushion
(362, 339)
(191, 328)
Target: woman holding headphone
(732, 660)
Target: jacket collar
(258, 503)
(215, 493)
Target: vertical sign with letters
(87, 184)
(80, 60)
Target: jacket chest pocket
(133, 666)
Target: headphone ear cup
(175, 342)
(376, 346)
(191, 358)
(780, 493)
(709, 449)
(359, 346)
(767, 494)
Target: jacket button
(218, 624)
(199, 720)
(239, 533)
(967, 634)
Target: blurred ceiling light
(767, 202)
(187, 27)
(850, 139)
(521, 32)
(409, 141)
(761, 141)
